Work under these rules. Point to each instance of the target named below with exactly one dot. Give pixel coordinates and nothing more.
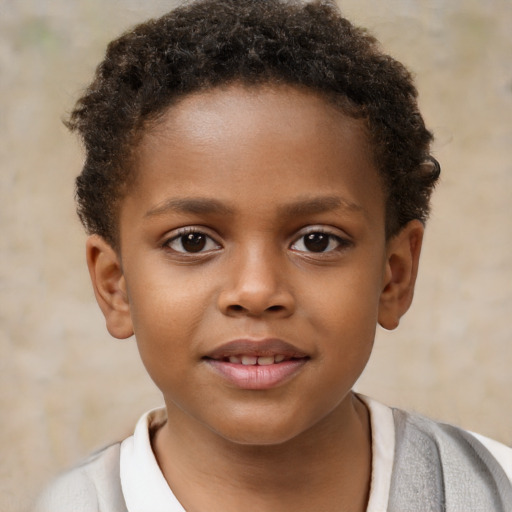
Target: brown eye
(316, 242)
(192, 242)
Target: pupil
(193, 242)
(316, 242)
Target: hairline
(153, 120)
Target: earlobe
(109, 286)
(402, 260)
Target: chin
(257, 438)
(255, 432)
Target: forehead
(278, 142)
(222, 113)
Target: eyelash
(182, 233)
(341, 243)
(203, 240)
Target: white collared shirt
(145, 488)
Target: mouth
(257, 364)
(252, 360)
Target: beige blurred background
(67, 388)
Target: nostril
(240, 303)
(237, 308)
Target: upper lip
(260, 348)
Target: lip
(256, 377)
(254, 347)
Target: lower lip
(256, 376)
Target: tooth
(279, 358)
(249, 360)
(235, 360)
(265, 360)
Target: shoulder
(501, 452)
(92, 486)
(420, 464)
(449, 465)
(445, 437)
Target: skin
(291, 165)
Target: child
(255, 189)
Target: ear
(402, 259)
(109, 286)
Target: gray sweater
(437, 468)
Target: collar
(145, 488)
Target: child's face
(255, 229)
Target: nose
(257, 286)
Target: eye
(318, 241)
(192, 242)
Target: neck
(328, 467)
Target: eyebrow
(205, 206)
(200, 206)
(315, 205)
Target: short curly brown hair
(207, 43)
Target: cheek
(346, 302)
(344, 318)
(164, 297)
(166, 317)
